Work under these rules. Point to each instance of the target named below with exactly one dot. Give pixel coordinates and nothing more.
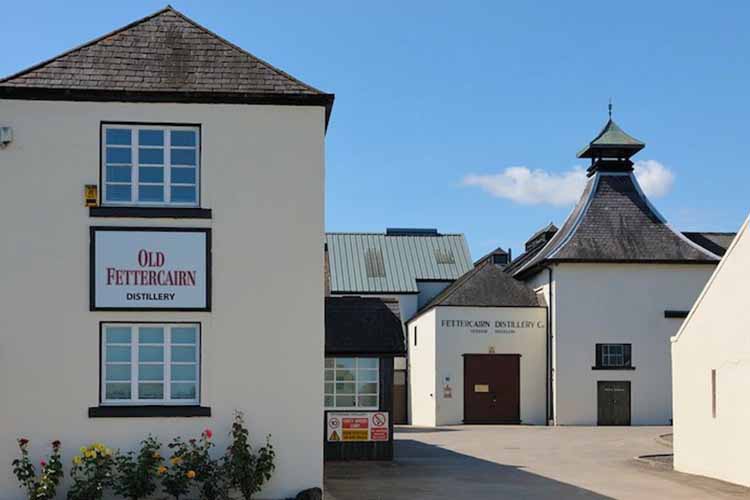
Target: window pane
(118, 372)
(150, 193)
(183, 372)
(151, 174)
(151, 353)
(344, 362)
(367, 375)
(118, 334)
(118, 173)
(118, 136)
(118, 192)
(342, 401)
(344, 388)
(328, 401)
(329, 375)
(183, 391)
(118, 391)
(151, 156)
(367, 388)
(151, 335)
(150, 372)
(118, 353)
(370, 401)
(183, 194)
(181, 353)
(151, 391)
(151, 137)
(183, 175)
(367, 363)
(329, 363)
(184, 335)
(183, 138)
(328, 388)
(344, 375)
(183, 157)
(118, 155)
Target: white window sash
(135, 361)
(356, 383)
(135, 164)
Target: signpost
(357, 426)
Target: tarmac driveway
(492, 462)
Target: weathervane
(610, 108)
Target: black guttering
(151, 212)
(676, 314)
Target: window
(415, 336)
(150, 165)
(351, 383)
(613, 356)
(150, 364)
(713, 393)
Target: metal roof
(383, 263)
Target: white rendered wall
(453, 343)
(262, 345)
(715, 337)
(618, 303)
(422, 375)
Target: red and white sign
(150, 269)
(358, 426)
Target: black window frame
(627, 357)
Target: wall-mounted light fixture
(91, 195)
(6, 136)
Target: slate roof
(392, 263)
(614, 222)
(363, 325)
(162, 56)
(717, 243)
(487, 285)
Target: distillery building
(135, 297)
(617, 280)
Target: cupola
(610, 151)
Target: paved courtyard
(493, 462)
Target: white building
(477, 352)
(711, 373)
(615, 277)
(162, 303)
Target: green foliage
(135, 473)
(192, 468)
(91, 473)
(44, 487)
(247, 471)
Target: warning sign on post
(360, 426)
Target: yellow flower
(77, 460)
(107, 451)
(191, 474)
(157, 455)
(176, 460)
(83, 449)
(161, 470)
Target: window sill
(613, 368)
(149, 411)
(151, 212)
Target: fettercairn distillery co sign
(497, 326)
(150, 268)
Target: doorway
(613, 402)
(492, 392)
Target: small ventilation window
(444, 256)
(374, 264)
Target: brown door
(613, 403)
(492, 393)
(399, 397)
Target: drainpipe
(550, 386)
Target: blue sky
(430, 95)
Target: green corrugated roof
(357, 259)
(611, 137)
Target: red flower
(43, 463)
(208, 433)
(23, 441)
(56, 443)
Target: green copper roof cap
(611, 142)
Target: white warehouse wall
(422, 374)
(262, 345)
(618, 303)
(715, 337)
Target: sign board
(358, 426)
(166, 269)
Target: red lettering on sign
(354, 423)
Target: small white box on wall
(6, 136)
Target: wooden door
(492, 392)
(399, 397)
(613, 403)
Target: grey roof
(614, 222)
(363, 325)
(714, 242)
(381, 263)
(487, 285)
(612, 137)
(165, 53)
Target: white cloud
(534, 187)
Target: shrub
(193, 468)
(91, 473)
(43, 487)
(135, 473)
(247, 471)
